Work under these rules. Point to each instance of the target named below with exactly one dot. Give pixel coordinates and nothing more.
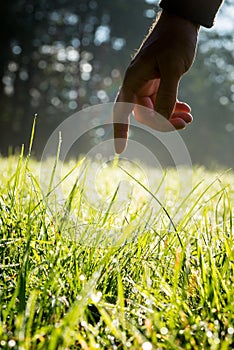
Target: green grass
(157, 273)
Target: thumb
(123, 106)
(167, 95)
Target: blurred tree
(59, 56)
(209, 88)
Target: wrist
(168, 16)
(176, 30)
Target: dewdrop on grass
(82, 277)
(96, 297)
(163, 330)
(147, 346)
(12, 343)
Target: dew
(216, 341)
(64, 300)
(111, 337)
(115, 323)
(140, 321)
(147, 346)
(11, 343)
(82, 277)
(53, 302)
(163, 330)
(148, 302)
(96, 297)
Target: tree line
(60, 56)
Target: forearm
(199, 11)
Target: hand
(153, 77)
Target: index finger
(167, 95)
(123, 106)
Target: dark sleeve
(200, 11)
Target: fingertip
(178, 123)
(120, 137)
(165, 102)
(187, 117)
(120, 146)
(182, 107)
(121, 120)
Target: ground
(118, 265)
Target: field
(155, 271)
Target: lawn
(154, 270)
